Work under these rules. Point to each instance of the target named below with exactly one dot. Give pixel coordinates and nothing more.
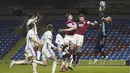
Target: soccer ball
(102, 4)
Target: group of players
(68, 47)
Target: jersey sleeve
(88, 22)
(31, 34)
(57, 41)
(49, 36)
(49, 42)
(31, 20)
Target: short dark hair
(82, 15)
(30, 26)
(30, 15)
(58, 30)
(68, 14)
(49, 27)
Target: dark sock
(78, 57)
(74, 58)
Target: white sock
(20, 62)
(38, 55)
(70, 64)
(34, 65)
(38, 62)
(63, 63)
(54, 66)
(67, 64)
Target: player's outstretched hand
(95, 22)
(62, 30)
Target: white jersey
(46, 39)
(30, 34)
(29, 43)
(59, 40)
(34, 20)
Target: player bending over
(29, 49)
(47, 51)
(82, 27)
(100, 41)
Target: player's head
(30, 26)
(30, 15)
(59, 31)
(50, 27)
(70, 17)
(81, 17)
(109, 19)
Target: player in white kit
(47, 51)
(59, 41)
(31, 20)
(34, 20)
(29, 48)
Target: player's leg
(97, 50)
(63, 66)
(66, 42)
(50, 54)
(79, 39)
(78, 54)
(20, 61)
(70, 62)
(74, 58)
(62, 69)
(34, 65)
(31, 56)
(39, 50)
(54, 63)
(102, 52)
(53, 57)
(17, 62)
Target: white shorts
(47, 53)
(30, 52)
(78, 39)
(68, 38)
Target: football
(102, 4)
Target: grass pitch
(4, 68)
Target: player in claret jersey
(82, 27)
(71, 26)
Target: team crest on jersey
(81, 25)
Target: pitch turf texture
(85, 67)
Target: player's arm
(93, 24)
(72, 27)
(34, 40)
(49, 42)
(39, 17)
(32, 37)
(35, 19)
(69, 29)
